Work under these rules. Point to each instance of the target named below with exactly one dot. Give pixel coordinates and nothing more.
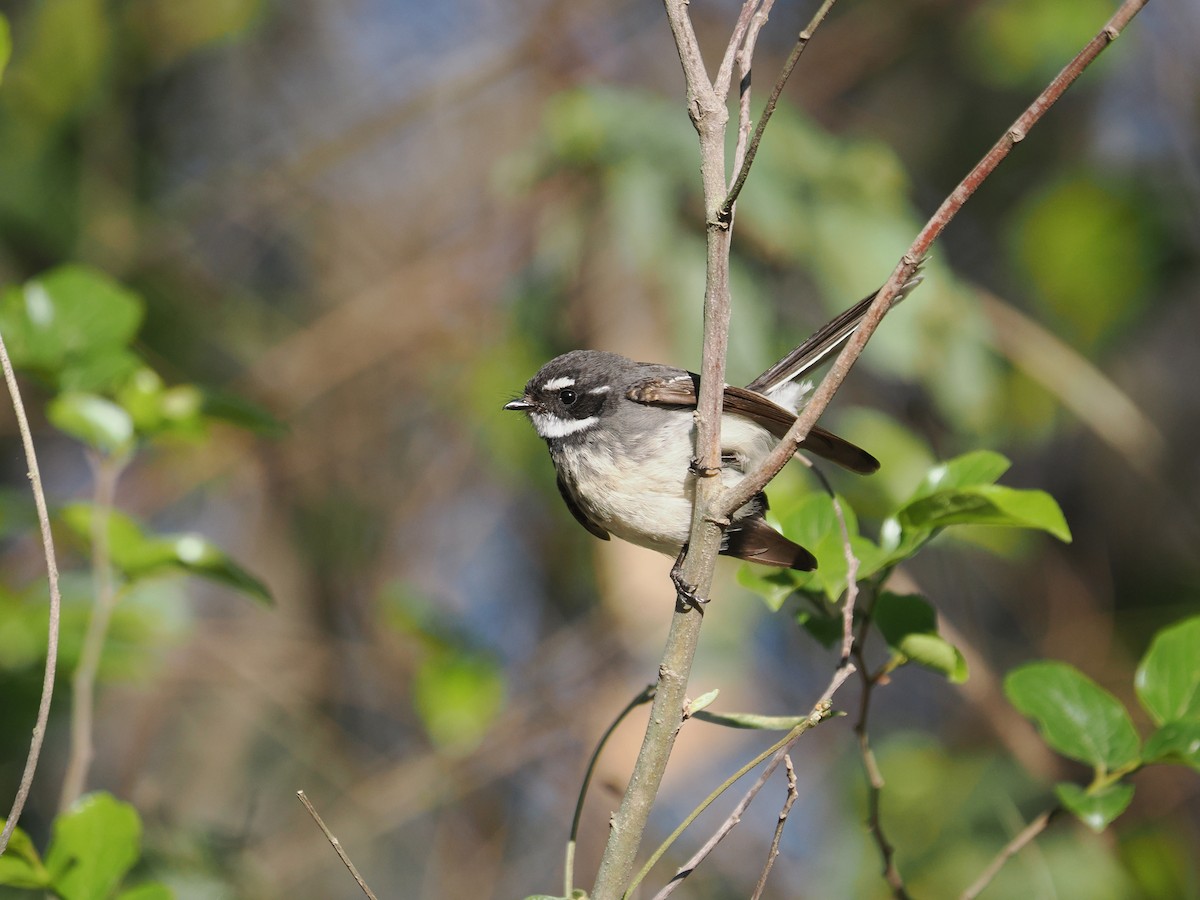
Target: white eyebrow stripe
(603, 389)
(549, 426)
(557, 384)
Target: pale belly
(648, 501)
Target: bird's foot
(685, 593)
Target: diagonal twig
(1011, 849)
(754, 482)
(335, 844)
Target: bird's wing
(679, 391)
(580, 516)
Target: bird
(621, 436)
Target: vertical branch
(39, 500)
(106, 470)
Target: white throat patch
(551, 426)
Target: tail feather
(753, 540)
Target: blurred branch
(39, 500)
(335, 844)
(783, 816)
(1079, 386)
(754, 482)
(1011, 849)
(106, 470)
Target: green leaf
(458, 696)
(749, 720)
(979, 467)
(773, 585)
(1076, 716)
(138, 555)
(243, 413)
(909, 625)
(1175, 742)
(72, 324)
(95, 843)
(1168, 677)
(1095, 808)
(5, 46)
(702, 702)
(20, 866)
(821, 621)
(991, 504)
(97, 422)
(813, 523)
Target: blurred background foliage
(360, 226)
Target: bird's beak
(520, 405)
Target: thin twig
(792, 793)
(755, 481)
(821, 710)
(745, 57)
(1011, 849)
(733, 49)
(645, 696)
(789, 64)
(335, 844)
(39, 500)
(777, 751)
(875, 782)
(106, 470)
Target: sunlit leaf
(138, 554)
(72, 324)
(95, 843)
(973, 469)
(985, 505)
(1097, 808)
(1168, 677)
(1175, 742)
(97, 422)
(1076, 716)
(909, 625)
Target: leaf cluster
(94, 846)
(961, 491)
(1084, 722)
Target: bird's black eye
(567, 397)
